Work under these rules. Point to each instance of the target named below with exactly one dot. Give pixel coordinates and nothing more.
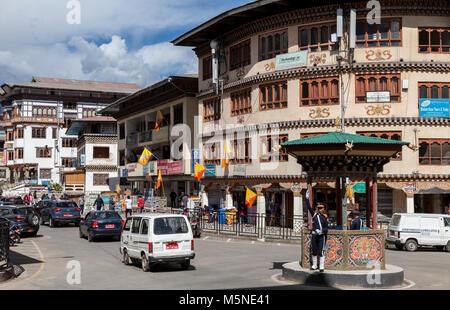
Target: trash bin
(222, 216)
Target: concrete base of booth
(390, 277)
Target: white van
(412, 230)
(157, 238)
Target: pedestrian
(112, 204)
(173, 197)
(53, 197)
(128, 207)
(319, 232)
(30, 198)
(99, 203)
(35, 195)
(185, 200)
(81, 204)
(357, 223)
(140, 204)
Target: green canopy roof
(341, 138)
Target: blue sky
(116, 40)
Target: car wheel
(90, 237)
(145, 263)
(126, 257)
(185, 265)
(411, 245)
(34, 220)
(51, 222)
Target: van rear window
(170, 226)
(395, 221)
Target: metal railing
(4, 243)
(145, 136)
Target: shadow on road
(20, 259)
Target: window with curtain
(323, 91)
(211, 109)
(273, 96)
(241, 102)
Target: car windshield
(395, 221)
(170, 226)
(66, 204)
(4, 212)
(23, 211)
(12, 200)
(106, 215)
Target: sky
(125, 41)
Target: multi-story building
(96, 157)
(397, 68)
(36, 117)
(137, 115)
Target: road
(220, 263)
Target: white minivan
(157, 238)
(412, 230)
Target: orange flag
(226, 151)
(159, 179)
(199, 170)
(159, 120)
(118, 189)
(250, 197)
(145, 157)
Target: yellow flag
(350, 193)
(226, 151)
(118, 189)
(199, 170)
(250, 197)
(145, 157)
(159, 179)
(159, 120)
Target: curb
(268, 240)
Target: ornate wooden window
(434, 40)
(44, 111)
(270, 150)
(434, 90)
(211, 153)
(387, 33)
(242, 150)
(18, 133)
(391, 135)
(211, 109)
(68, 162)
(89, 112)
(240, 55)
(207, 68)
(10, 136)
(10, 155)
(273, 96)
(375, 83)
(273, 44)
(45, 173)
(101, 152)
(69, 142)
(317, 38)
(42, 152)
(19, 153)
(100, 179)
(323, 91)
(241, 102)
(38, 133)
(434, 152)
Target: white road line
(253, 242)
(205, 238)
(229, 240)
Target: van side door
(430, 229)
(144, 236)
(446, 232)
(133, 244)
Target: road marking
(205, 238)
(253, 242)
(229, 240)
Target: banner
(434, 107)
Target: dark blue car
(60, 212)
(101, 224)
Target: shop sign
(239, 170)
(176, 167)
(359, 188)
(131, 167)
(210, 171)
(291, 60)
(163, 165)
(434, 107)
(410, 187)
(378, 96)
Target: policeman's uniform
(318, 241)
(357, 224)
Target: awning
(434, 190)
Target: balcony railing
(145, 136)
(132, 139)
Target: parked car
(12, 201)
(412, 230)
(101, 224)
(60, 212)
(41, 205)
(25, 216)
(157, 238)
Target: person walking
(128, 207)
(112, 204)
(99, 203)
(140, 204)
(173, 198)
(319, 232)
(81, 204)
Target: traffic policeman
(357, 223)
(319, 233)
